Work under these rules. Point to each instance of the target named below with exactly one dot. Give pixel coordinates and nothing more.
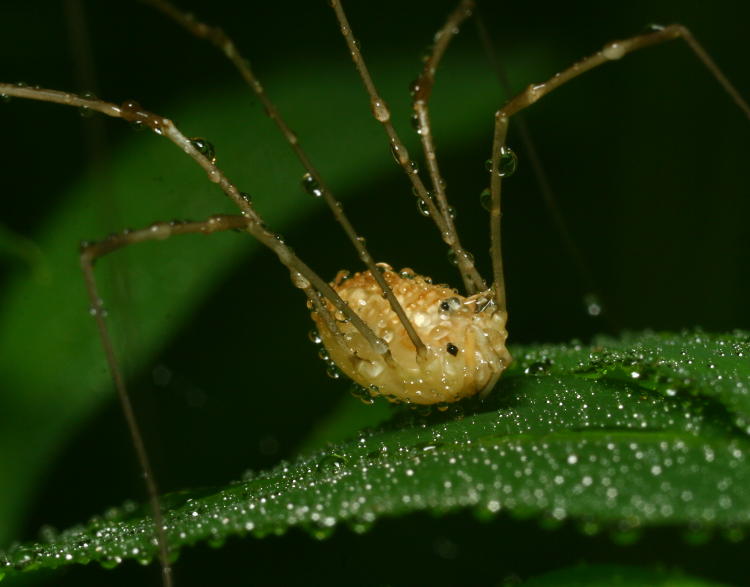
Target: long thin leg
(134, 113)
(610, 52)
(313, 181)
(617, 50)
(382, 114)
(421, 92)
(496, 253)
(90, 252)
(302, 276)
(531, 154)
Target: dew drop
(653, 28)
(360, 526)
(400, 154)
(314, 337)
(98, 311)
(507, 163)
(414, 119)
(363, 394)
(593, 305)
(485, 198)
(613, 51)
(299, 280)
(453, 256)
(160, 230)
(311, 186)
(204, 148)
(380, 346)
(380, 110)
(85, 111)
(157, 127)
(343, 275)
(538, 367)
(332, 462)
(414, 88)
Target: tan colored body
(464, 339)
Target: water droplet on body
(311, 186)
(205, 148)
(507, 163)
(380, 110)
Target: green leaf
(698, 365)
(551, 441)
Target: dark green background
(648, 159)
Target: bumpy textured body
(464, 338)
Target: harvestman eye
(450, 304)
(379, 326)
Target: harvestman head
(393, 332)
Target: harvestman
(395, 333)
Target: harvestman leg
(90, 252)
(531, 154)
(610, 52)
(441, 216)
(302, 276)
(421, 91)
(312, 181)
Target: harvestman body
(393, 332)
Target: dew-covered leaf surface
(641, 431)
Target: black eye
(450, 304)
(452, 349)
